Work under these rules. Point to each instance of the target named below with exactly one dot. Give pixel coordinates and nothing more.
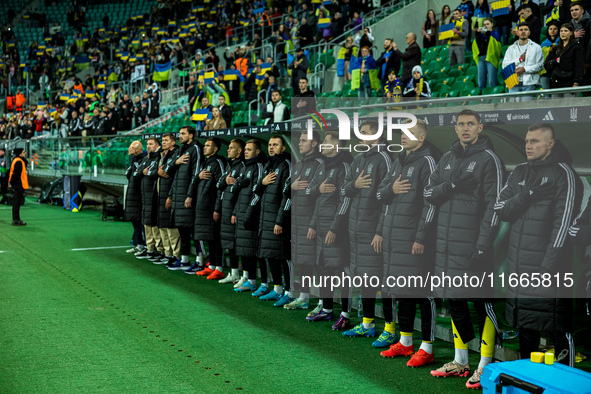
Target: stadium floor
(103, 321)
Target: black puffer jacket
(580, 234)
(365, 210)
(250, 174)
(149, 195)
(207, 199)
(331, 213)
(164, 185)
(408, 218)
(274, 209)
(303, 250)
(133, 197)
(184, 185)
(466, 221)
(538, 241)
(228, 201)
(570, 69)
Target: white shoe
(140, 249)
(240, 282)
(132, 250)
(229, 279)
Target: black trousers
(460, 314)
(529, 341)
(249, 264)
(216, 253)
(139, 237)
(279, 267)
(407, 308)
(368, 301)
(19, 199)
(3, 188)
(233, 258)
(185, 235)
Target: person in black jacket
(410, 58)
(407, 227)
(580, 234)
(146, 107)
(226, 111)
(272, 191)
(464, 187)
(19, 182)
(126, 113)
(149, 174)
(303, 244)
(361, 184)
(328, 226)
(247, 232)
(299, 67)
(75, 126)
(565, 62)
(208, 209)
(250, 86)
(539, 200)
(387, 61)
(169, 234)
(186, 165)
(228, 200)
(133, 197)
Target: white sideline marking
(103, 247)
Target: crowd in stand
(331, 214)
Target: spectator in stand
(10, 102)
(269, 85)
(225, 110)
(387, 62)
(466, 8)
(393, 87)
(250, 86)
(417, 86)
(551, 41)
(486, 49)
(535, 8)
(299, 68)
(528, 59)
(429, 29)
(535, 26)
(444, 20)
(457, 44)
(565, 62)
(305, 34)
(338, 25)
(276, 110)
(19, 101)
(216, 122)
(364, 38)
(481, 11)
(283, 37)
(355, 22)
(364, 74)
(581, 22)
(503, 23)
(410, 58)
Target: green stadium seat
(447, 81)
(454, 73)
(472, 70)
(467, 78)
(470, 92)
(440, 88)
(494, 90)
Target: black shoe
(19, 223)
(144, 255)
(156, 256)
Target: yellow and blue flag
(41, 105)
(323, 23)
(509, 76)
(446, 31)
(162, 71)
(209, 77)
(64, 96)
(200, 114)
(232, 75)
(500, 7)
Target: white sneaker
(240, 282)
(229, 279)
(140, 249)
(132, 250)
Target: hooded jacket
(247, 215)
(275, 209)
(538, 240)
(365, 210)
(133, 197)
(184, 185)
(331, 212)
(408, 218)
(467, 222)
(303, 250)
(227, 201)
(580, 234)
(206, 229)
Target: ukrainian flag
(200, 114)
(81, 63)
(135, 42)
(323, 23)
(260, 78)
(101, 30)
(446, 31)
(41, 105)
(84, 38)
(206, 1)
(370, 67)
(155, 28)
(162, 32)
(72, 99)
(232, 75)
(101, 85)
(171, 23)
(41, 47)
(200, 8)
(39, 53)
(509, 76)
(327, 2)
(258, 10)
(23, 65)
(341, 60)
(175, 40)
(500, 7)
(162, 71)
(76, 92)
(47, 39)
(11, 43)
(146, 43)
(210, 43)
(209, 24)
(52, 110)
(64, 96)
(184, 33)
(209, 77)
(125, 55)
(243, 21)
(213, 11)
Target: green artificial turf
(104, 321)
